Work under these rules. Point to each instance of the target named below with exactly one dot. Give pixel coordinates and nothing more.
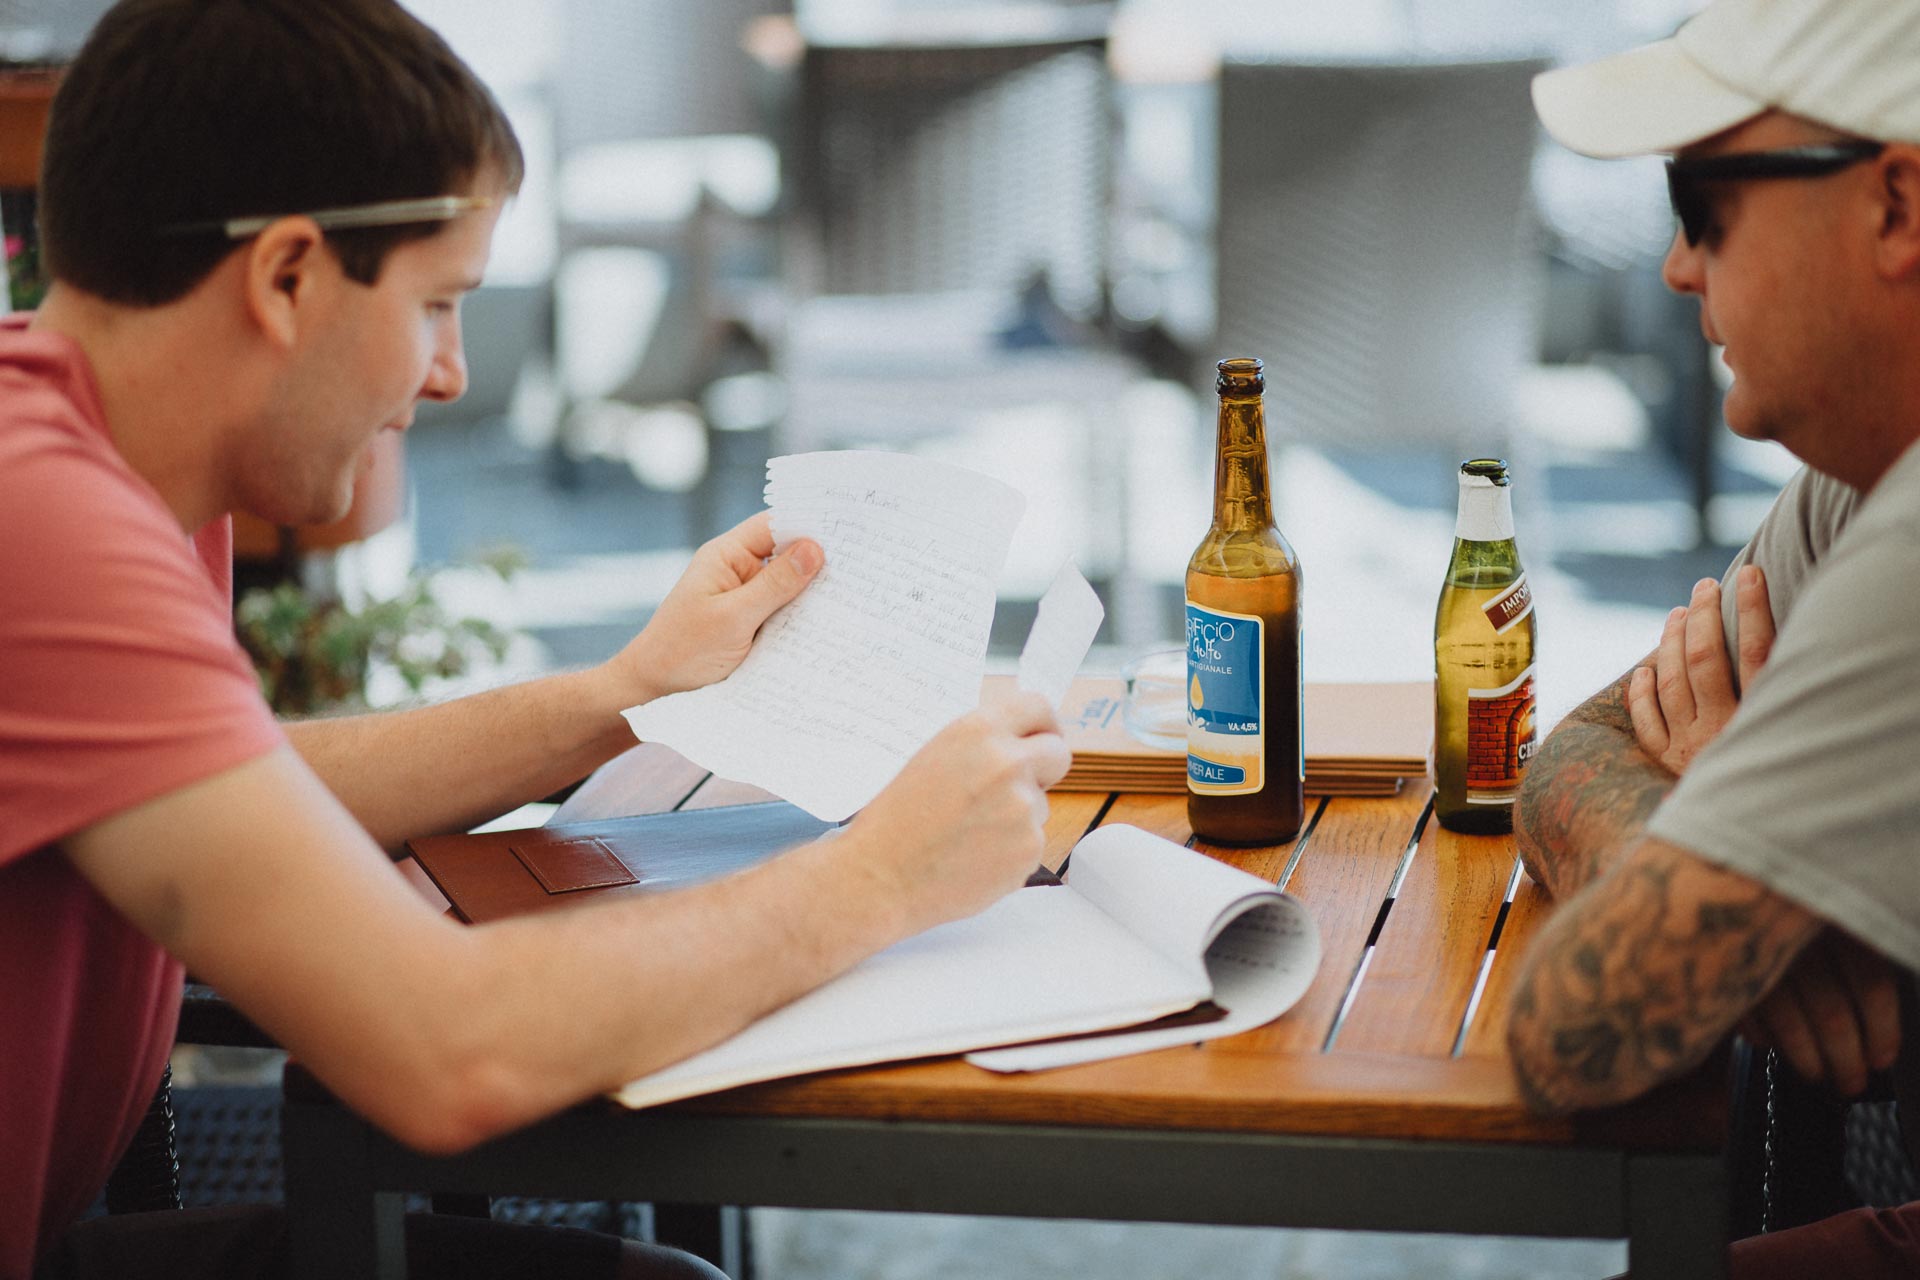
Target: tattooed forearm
(1587, 795)
(1635, 980)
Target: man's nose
(1681, 270)
(447, 375)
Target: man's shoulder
(77, 523)
(1820, 504)
(1880, 527)
(52, 437)
(1808, 516)
(1895, 501)
(45, 378)
(46, 423)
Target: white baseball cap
(1853, 65)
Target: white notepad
(1142, 928)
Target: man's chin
(1742, 419)
(342, 505)
(317, 512)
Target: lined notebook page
(882, 650)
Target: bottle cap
(1486, 501)
(1492, 470)
(1240, 376)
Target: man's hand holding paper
(707, 623)
(974, 795)
(883, 651)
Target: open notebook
(1161, 942)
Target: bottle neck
(1242, 498)
(1486, 511)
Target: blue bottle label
(1226, 677)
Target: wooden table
(1382, 1101)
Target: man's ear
(284, 266)
(1897, 253)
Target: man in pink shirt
(260, 217)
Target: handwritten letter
(883, 649)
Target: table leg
(338, 1225)
(1676, 1217)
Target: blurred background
(1017, 236)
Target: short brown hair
(194, 111)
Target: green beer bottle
(1483, 663)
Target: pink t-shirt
(120, 680)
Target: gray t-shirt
(1814, 786)
(1789, 545)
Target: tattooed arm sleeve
(1635, 979)
(1587, 795)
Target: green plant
(314, 653)
(19, 216)
(25, 288)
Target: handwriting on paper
(882, 649)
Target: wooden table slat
(660, 778)
(1164, 816)
(1265, 861)
(1223, 1088)
(1487, 1036)
(1069, 814)
(1342, 877)
(1194, 1088)
(1416, 988)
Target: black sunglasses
(1687, 179)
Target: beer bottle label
(1508, 609)
(1501, 738)
(1226, 676)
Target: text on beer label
(1501, 738)
(1507, 609)
(1226, 670)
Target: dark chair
(148, 1177)
(1801, 1153)
(220, 1144)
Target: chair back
(1374, 246)
(921, 168)
(1906, 1068)
(657, 69)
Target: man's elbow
(1565, 1058)
(1543, 1088)
(1578, 1064)
(1533, 854)
(454, 1111)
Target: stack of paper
(1362, 739)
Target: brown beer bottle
(1483, 665)
(1245, 763)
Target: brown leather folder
(508, 873)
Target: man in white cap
(1731, 828)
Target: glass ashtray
(1156, 707)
